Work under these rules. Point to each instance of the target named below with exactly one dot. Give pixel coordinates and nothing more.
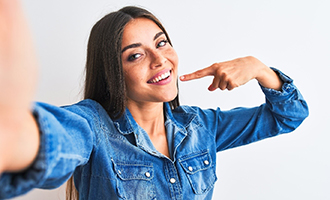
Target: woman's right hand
(18, 66)
(19, 139)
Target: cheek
(133, 78)
(173, 57)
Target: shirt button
(147, 174)
(206, 162)
(190, 168)
(119, 172)
(172, 180)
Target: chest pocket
(134, 180)
(199, 170)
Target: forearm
(19, 138)
(269, 79)
(19, 141)
(283, 112)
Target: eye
(162, 43)
(134, 57)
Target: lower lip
(164, 81)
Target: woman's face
(149, 63)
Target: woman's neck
(150, 116)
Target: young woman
(129, 138)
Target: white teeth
(161, 77)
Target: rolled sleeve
(287, 88)
(282, 113)
(288, 102)
(66, 141)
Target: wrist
(19, 142)
(269, 79)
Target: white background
(292, 35)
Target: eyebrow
(139, 44)
(158, 35)
(131, 46)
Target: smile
(160, 76)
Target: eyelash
(133, 56)
(165, 41)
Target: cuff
(288, 88)
(18, 183)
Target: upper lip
(158, 74)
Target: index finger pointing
(208, 71)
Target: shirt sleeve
(67, 135)
(283, 112)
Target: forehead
(139, 30)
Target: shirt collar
(174, 124)
(179, 117)
(126, 123)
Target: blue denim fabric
(115, 159)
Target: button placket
(172, 180)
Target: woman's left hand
(237, 72)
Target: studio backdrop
(291, 35)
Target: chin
(170, 97)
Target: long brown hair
(105, 82)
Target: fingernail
(211, 88)
(182, 78)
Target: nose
(157, 59)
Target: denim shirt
(115, 159)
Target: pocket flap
(130, 171)
(196, 162)
(200, 171)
